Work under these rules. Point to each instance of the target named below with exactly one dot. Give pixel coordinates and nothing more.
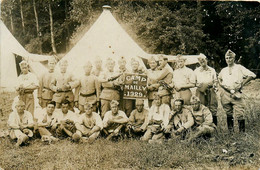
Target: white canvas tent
(9, 48)
(106, 38)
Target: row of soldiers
(99, 87)
(156, 124)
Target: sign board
(135, 86)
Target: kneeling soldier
(66, 121)
(203, 120)
(114, 120)
(181, 120)
(89, 124)
(21, 124)
(138, 119)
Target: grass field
(236, 151)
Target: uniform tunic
(88, 90)
(109, 116)
(183, 119)
(60, 80)
(206, 77)
(27, 80)
(231, 77)
(15, 121)
(44, 90)
(181, 77)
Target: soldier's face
(157, 101)
(135, 66)
(229, 60)
(153, 64)
(114, 109)
(50, 109)
(180, 63)
(63, 67)
(162, 62)
(51, 65)
(65, 108)
(203, 62)
(88, 110)
(178, 106)
(24, 69)
(166, 99)
(98, 64)
(87, 69)
(139, 107)
(110, 66)
(20, 108)
(195, 105)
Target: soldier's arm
(208, 119)
(53, 86)
(11, 122)
(73, 83)
(98, 88)
(190, 121)
(40, 86)
(76, 94)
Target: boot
(242, 125)
(230, 124)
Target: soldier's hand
(76, 103)
(59, 89)
(138, 129)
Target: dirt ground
(225, 151)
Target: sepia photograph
(129, 84)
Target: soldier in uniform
(158, 120)
(114, 120)
(98, 67)
(180, 121)
(27, 83)
(231, 80)
(62, 85)
(46, 125)
(135, 65)
(87, 90)
(89, 125)
(45, 94)
(206, 80)
(111, 86)
(20, 123)
(203, 121)
(138, 119)
(66, 119)
(183, 80)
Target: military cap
(139, 102)
(194, 99)
(180, 57)
(23, 63)
(230, 53)
(114, 103)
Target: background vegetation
(169, 27)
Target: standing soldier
(152, 82)
(127, 104)
(206, 80)
(45, 94)
(183, 80)
(98, 67)
(62, 85)
(232, 79)
(87, 90)
(109, 82)
(27, 83)
(136, 67)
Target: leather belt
(87, 95)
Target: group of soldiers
(173, 111)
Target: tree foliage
(157, 26)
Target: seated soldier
(181, 120)
(138, 119)
(114, 120)
(66, 121)
(158, 120)
(203, 120)
(89, 124)
(21, 123)
(46, 125)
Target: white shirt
(160, 114)
(207, 76)
(183, 76)
(233, 76)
